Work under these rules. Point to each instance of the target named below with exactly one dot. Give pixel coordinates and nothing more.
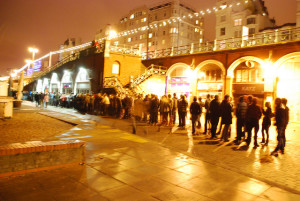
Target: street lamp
(33, 51)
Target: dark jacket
(280, 117)
(182, 105)
(195, 110)
(214, 109)
(267, 116)
(226, 110)
(253, 113)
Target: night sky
(46, 24)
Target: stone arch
(285, 58)
(55, 79)
(82, 79)
(174, 66)
(67, 79)
(210, 61)
(237, 62)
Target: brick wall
(20, 158)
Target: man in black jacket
(226, 113)
(214, 115)
(195, 111)
(280, 123)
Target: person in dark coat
(154, 107)
(280, 122)
(287, 116)
(226, 114)
(207, 122)
(266, 123)
(214, 115)
(195, 111)
(253, 115)
(182, 110)
(240, 112)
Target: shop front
(248, 80)
(210, 81)
(179, 80)
(82, 82)
(54, 83)
(67, 83)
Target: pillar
(228, 85)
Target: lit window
(132, 16)
(251, 20)
(149, 44)
(238, 22)
(116, 68)
(222, 31)
(144, 19)
(196, 30)
(116, 43)
(141, 36)
(197, 21)
(129, 39)
(150, 35)
(163, 42)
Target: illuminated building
(164, 26)
(241, 18)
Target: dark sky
(46, 24)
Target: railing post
(155, 53)
(192, 48)
(172, 51)
(215, 45)
(276, 36)
(50, 59)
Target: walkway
(156, 166)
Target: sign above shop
(248, 88)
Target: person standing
(226, 114)
(174, 108)
(207, 123)
(182, 110)
(280, 122)
(253, 115)
(199, 116)
(287, 116)
(195, 112)
(266, 123)
(240, 112)
(214, 109)
(46, 99)
(154, 107)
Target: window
(181, 33)
(141, 36)
(155, 17)
(222, 31)
(164, 33)
(131, 16)
(116, 43)
(223, 18)
(173, 30)
(163, 42)
(237, 34)
(149, 44)
(137, 21)
(197, 22)
(116, 68)
(238, 22)
(165, 14)
(196, 30)
(129, 40)
(251, 20)
(144, 19)
(150, 35)
(251, 31)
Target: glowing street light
(33, 51)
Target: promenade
(157, 163)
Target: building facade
(236, 18)
(161, 27)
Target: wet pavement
(156, 164)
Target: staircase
(134, 87)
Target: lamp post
(33, 51)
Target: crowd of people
(164, 112)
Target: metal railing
(114, 82)
(259, 39)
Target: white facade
(165, 30)
(241, 18)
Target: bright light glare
(112, 34)
(33, 50)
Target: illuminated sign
(37, 66)
(248, 88)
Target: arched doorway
(210, 78)
(82, 82)
(45, 87)
(54, 83)
(247, 75)
(288, 82)
(67, 83)
(179, 80)
(39, 86)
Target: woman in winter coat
(266, 122)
